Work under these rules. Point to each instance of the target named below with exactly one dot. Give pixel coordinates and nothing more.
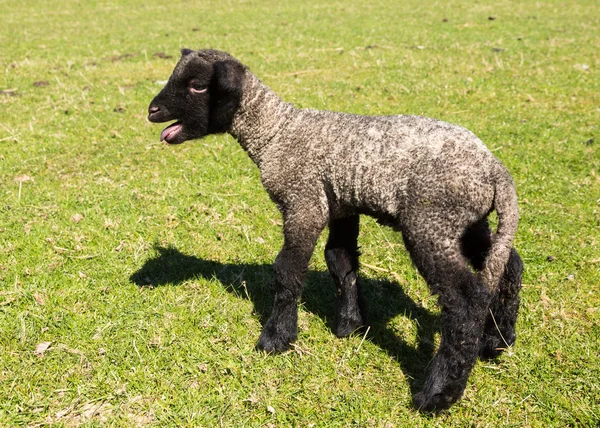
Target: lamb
(434, 182)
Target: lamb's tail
(505, 204)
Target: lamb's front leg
(301, 231)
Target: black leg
(464, 301)
(341, 255)
(499, 331)
(300, 236)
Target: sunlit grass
(147, 267)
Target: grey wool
(434, 182)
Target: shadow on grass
(385, 300)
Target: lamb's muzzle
(170, 133)
(434, 182)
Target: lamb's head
(202, 96)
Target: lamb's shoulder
(291, 174)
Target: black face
(201, 96)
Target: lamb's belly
(376, 195)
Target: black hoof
(273, 344)
(347, 326)
(432, 404)
(492, 346)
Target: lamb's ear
(186, 51)
(229, 76)
(226, 94)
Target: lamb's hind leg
(500, 324)
(499, 331)
(291, 265)
(464, 301)
(341, 254)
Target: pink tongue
(170, 131)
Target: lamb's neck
(261, 116)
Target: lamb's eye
(196, 87)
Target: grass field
(134, 276)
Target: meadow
(134, 276)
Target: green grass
(93, 208)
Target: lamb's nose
(153, 109)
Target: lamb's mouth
(171, 132)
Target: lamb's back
(378, 164)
